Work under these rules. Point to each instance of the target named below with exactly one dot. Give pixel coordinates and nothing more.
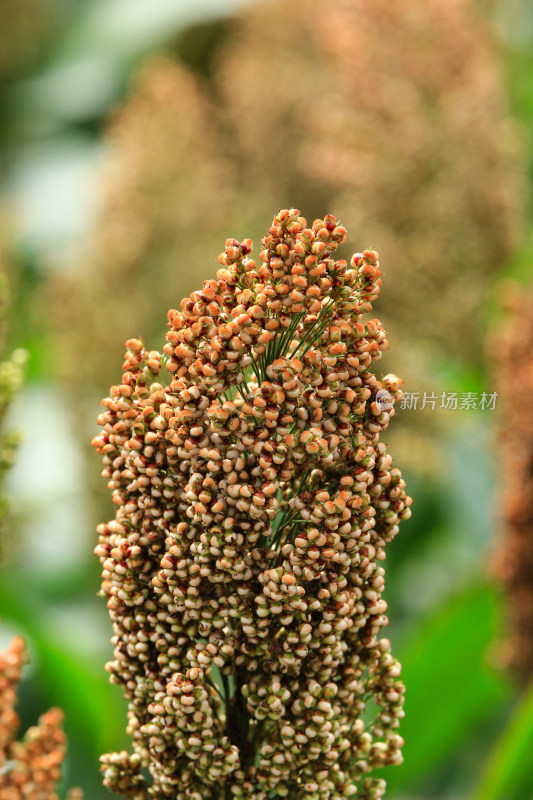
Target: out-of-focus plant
(385, 101)
(26, 27)
(512, 349)
(393, 114)
(31, 768)
(255, 500)
(11, 376)
(165, 174)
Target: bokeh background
(137, 136)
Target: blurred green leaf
(451, 689)
(508, 774)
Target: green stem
(255, 740)
(276, 348)
(225, 683)
(312, 334)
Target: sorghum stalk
(254, 499)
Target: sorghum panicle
(31, 768)
(244, 568)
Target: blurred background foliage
(135, 138)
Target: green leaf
(451, 689)
(508, 774)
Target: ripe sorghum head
(31, 768)
(512, 564)
(244, 568)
